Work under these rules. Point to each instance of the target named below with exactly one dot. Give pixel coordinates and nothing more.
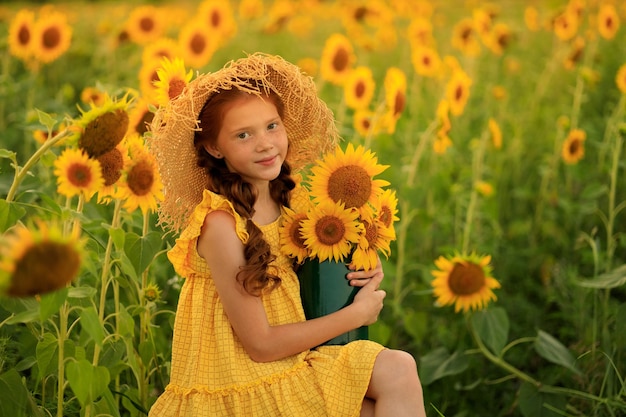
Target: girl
(242, 345)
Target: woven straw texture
(309, 123)
(212, 375)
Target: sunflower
(608, 21)
(152, 293)
(420, 32)
(465, 281)
(197, 43)
(145, 24)
(330, 230)
(483, 21)
(21, 34)
(309, 66)
(42, 135)
(112, 165)
(337, 59)
(218, 16)
(395, 91)
(498, 38)
(279, 15)
(172, 80)
(576, 53)
(426, 61)
(387, 210)
(458, 91)
(566, 25)
(139, 117)
(375, 239)
(484, 188)
(77, 173)
(620, 78)
(250, 9)
(574, 146)
(38, 261)
(359, 88)
(464, 37)
(441, 144)
(347, 177)
(160, 48)
(93, 96)
(101, 128)
(531, 18)
(52, 36)
(443, 117)
(143, 187)
(366, 122)
(496, 133)
(292, 242)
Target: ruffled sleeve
(184, 255)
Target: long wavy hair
(255, 276)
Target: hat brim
(309, 123)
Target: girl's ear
(213, 151)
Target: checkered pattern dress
(212, 375)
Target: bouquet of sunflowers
(341, 212)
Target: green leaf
(416, 324)
(46, 119)
(612, 279)
(10, 213)
(554, 351)
(532, 403)
(24, 317)
(81, 292)
(51, 303)
(439, 363)
(47, 352)
(87, 381)
(7, 154)
(15, 399)
(141, 250)
(492, 326)
(90, 322)
(126, 323)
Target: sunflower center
(426, 61)
(340, 60)
(351, 185)
(142, 126)
(359, 90)
(79, 175)
(111, 164)
(51, 38)
(466, 279)
(329, 230)
(44, 267)
(216, 19)
(385, 216)
(176, 87)
(146, 24)
(295, 235)
(104, 133)
(399, 103)
(140, 178)
(371, 232)
(574, 146)
(23, 35)
(198, 44)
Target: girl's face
(252, 140)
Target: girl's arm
(219, 245)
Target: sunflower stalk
(20, 173)
(144, 320)
(403, 228)
(477, 170)
(419, 150)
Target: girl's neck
(266, 210)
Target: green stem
(477, 171)
(63, 312)
(104, 278)
(144, 319)
(419, 150)
(405, 221)
(20, 173)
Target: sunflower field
(502, 125)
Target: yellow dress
(213, 376)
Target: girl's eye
(272, 126)
(242, 135)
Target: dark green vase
(324, 289)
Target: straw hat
(309, 123)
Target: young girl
(242, 345)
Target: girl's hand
(362, 277)
(370, 299)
